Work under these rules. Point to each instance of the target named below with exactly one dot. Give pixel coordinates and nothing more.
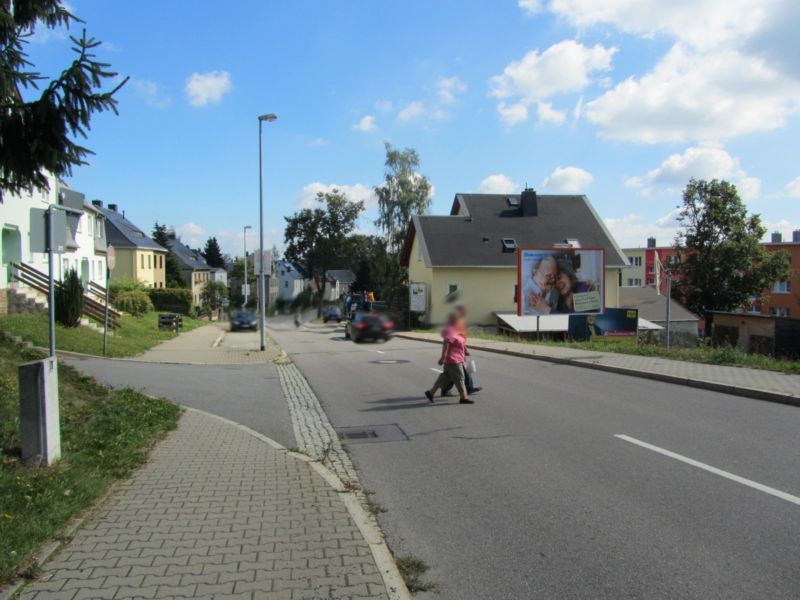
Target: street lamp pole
(669, 296)
(246, 285)
(261, 304)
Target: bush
(117, 286)
(69, 300)
(134, 302)
(214, 294)
(176, 300)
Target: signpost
(111, 261)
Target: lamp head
(270, 117)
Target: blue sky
(623, 100)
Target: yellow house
(137, 256)
(472, 253)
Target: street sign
(111, 257)
(418, 297)
(245, 289)
(267, 263)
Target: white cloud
(512, 114)
(563, 67)
(191, 234)
(701, 23)
(703, 162)
(367, 123)
(356, 192)
(498, 184)
(793, 187)
(449, 87)
(548, 114)
(632, 231)
(531, 7)
(151, 93)
(577, 112)
(384, 105)
(208, 88)
(691, 96)
(412, 111)
(568, 179)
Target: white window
(634, 282)
(90, 219)
(781, 287)
(635, 261)
(780, 311)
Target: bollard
(40, 430)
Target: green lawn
(135, 335)
(104, 435)
(702, 354)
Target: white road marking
(437, 370)
(695, 463)
(380, 351)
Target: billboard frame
(556, 250)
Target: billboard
(616, 324)
(418, 297)
(560, 281)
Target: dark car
(332, 313)
(243, 320)
(369, 326)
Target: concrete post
(40, 430)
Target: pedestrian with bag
(461, 321)
(454, 346)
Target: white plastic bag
(472, 367)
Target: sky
(621, 100)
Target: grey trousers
(454, 374)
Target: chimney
(796, 236)
(777, 238)
(112, 207)
(97, 203)
(529, 202)
(651, 242)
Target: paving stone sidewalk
(201, 347)
(747, 382)
(216, 513)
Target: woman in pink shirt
(454, 348)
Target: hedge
(177, 300)
(134, 302)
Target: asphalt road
(529, 494)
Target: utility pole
(261, 305)
(669, 298)
(246, 285)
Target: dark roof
(341, 275)
(652, 305)
(472, 235)
(121, 233)
(189, 259)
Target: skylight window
(509, 244)
(512, 201)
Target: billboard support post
(669, 296)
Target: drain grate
(372, 433)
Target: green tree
(366, 257)
(404, 193)
(213, 254)
(722, 265)
(163, 236)
(214, 294)
(316, 239)
(37, 133)
(69, 300)
(237, 278)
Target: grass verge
(135, 335)
(725, 355)
(105, 434)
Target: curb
(702, 384)
(395, 586)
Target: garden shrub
(69, 300)
(175, 300)
(134, 302)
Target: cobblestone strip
(312, 429)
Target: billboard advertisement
(616, 324)
(560, 281)
(418, 297)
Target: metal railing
(38, 281)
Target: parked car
(332, 313)
(369, 326)
(243, 319)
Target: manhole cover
(389, 362)
(372, 433)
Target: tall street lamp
(261, 308)
(245, 286)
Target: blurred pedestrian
(461, 321)
(452, 360)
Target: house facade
(291, 281)
(337, 284)
(194, 268)
(138, 257)
(81, 244)
(472, 250)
